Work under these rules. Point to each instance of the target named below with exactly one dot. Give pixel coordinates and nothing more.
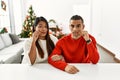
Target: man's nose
(74, 28)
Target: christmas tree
(28, 23)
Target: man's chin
(75, 37)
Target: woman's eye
(39, 26)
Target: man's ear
(83, 26)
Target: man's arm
(60, 64)
(92, 52)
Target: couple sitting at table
(77, 47)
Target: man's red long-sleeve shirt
(74, 51)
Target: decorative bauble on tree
(28, 23)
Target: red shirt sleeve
(92, 52)
(58, 64)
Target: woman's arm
(32, 53)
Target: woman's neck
(41, 37)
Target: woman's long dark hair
(49, 43)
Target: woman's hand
(57, 57)
(36, 35)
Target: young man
(77, 47)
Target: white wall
(17, 16)
(60, 10)
(85, 12)
(106, 23)
(4, 16)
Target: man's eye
(72, 26)
(78, 26)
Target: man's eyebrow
(74, 25)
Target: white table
(101, 71)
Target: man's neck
(75, 37)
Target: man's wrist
(88, 41)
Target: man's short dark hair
(77, 17)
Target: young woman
(40, 45)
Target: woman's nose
(44, 28)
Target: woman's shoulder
(29, 40)
(53, 38)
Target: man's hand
(85, 35)
(71, 69)
(57, 57)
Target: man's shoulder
(92, 37)
(67, 36)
